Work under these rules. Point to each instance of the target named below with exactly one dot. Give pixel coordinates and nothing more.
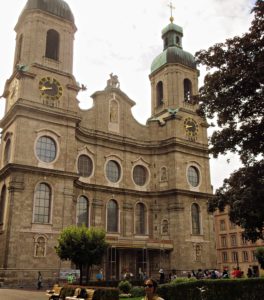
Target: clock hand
(44, 88)
(188, 126)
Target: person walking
(39, 280)
(150, 286)
(162, 276)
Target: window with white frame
(42, 203)
(112, 216)
(82, 211)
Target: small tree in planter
(83, 246)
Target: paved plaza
(21, 294)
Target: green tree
(260, 256)
(83, 246)
(233, 94)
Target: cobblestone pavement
(16, 294)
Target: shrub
(231, 289)
(137, 291)
(182, 280)
(106, 294)
(125, 286)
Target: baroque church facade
(147, 185)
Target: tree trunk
(81, 274)
(87, 274)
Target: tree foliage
(83, 246)
(260, 256)
(233, 95)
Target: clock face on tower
(13, 90)
(191, 128)
(50, 88)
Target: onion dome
(56, 7)
(172, 52)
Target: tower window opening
(52, 45)
(166, 42)
(159, 93)
(187, 90)
(19, 49)
(2, 204)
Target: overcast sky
(124, 36)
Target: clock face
(50, 88)
(13, 89)
(191, 127)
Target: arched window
(46, 149)
(82, 211)
(52, 44)
(140, 174)
(40, 247)
(196, 219)
(42, 203)
(19, 49)
(187, 90)
(7, 152)
(85, 165)
(193, 176)
(140, 218)
(166, 42)
(159, 91)
(112, 216)
(2, 204)
(113, 171)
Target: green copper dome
(56, 7)
(172, 52)
(172, 27)
(173, 55)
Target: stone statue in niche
(113, 81)
(163, 174)
(165, 227)
(40, 247)
(113, 112)
(198, 252)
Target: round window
(113, 171)
(85, 165)
(193, 176)
(46, 149)
(140, 175)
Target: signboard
(66, 273)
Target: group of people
(215, 274)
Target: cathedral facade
(146, 185)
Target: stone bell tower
(43, 62)
(174, 76)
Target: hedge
(218, 289)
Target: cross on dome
(171, 8)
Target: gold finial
(171, 8)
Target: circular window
(85, 166)
(193, 176)
(140, 175)
(113, 171)
(46, 149)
